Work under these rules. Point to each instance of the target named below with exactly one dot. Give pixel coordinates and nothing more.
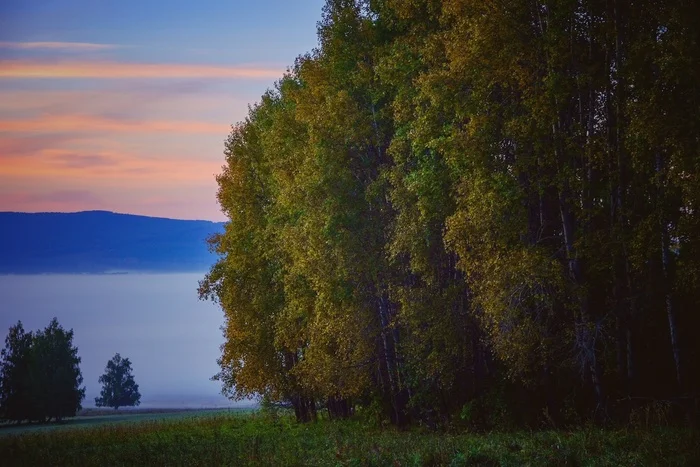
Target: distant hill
(101, 241)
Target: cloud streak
(118, 70)
(91, 123)
(64, 46)
(77, 161)
(56, 179)
(99, 167)
(53, 197)
(28, 146)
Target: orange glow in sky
(128, 137)
(125, 107)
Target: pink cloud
(29, 146)
(189, 102)
(78, 161)
(147, 147)
(60, 200)
(196, 203)
(128, 170)
(90, 123)
(60, 180)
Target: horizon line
(110, 212)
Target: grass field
(247, 438)
(90, 418)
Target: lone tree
(118, 386)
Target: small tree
(118, 386)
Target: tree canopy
(15, 368)
(453, 207)
(41, 375)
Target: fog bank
(156, 320)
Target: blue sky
(124, 106)
(225, 32)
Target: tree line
(40, 377)
(457, 208)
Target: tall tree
(15, 395)
(248, 279)
(455, 201)
(55, 374)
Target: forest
(475, 212)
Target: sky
(125, 106)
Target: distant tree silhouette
(55, 374)
(41, 375)
(118, 386)
(15, 396)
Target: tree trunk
(388, 364)
(338, 408)
(304, 408)
(585, 330)
(666, 260)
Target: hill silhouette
(101, 242)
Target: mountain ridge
(104, 211)
(102, 241)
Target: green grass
(253, 439)
(107, 417)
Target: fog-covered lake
(156, 320)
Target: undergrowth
(263, 440)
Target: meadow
(234, 437)
(91, 418)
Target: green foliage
(41, 375)
(222, 439)
(448, 198)
(119, 389)
(15, 383)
